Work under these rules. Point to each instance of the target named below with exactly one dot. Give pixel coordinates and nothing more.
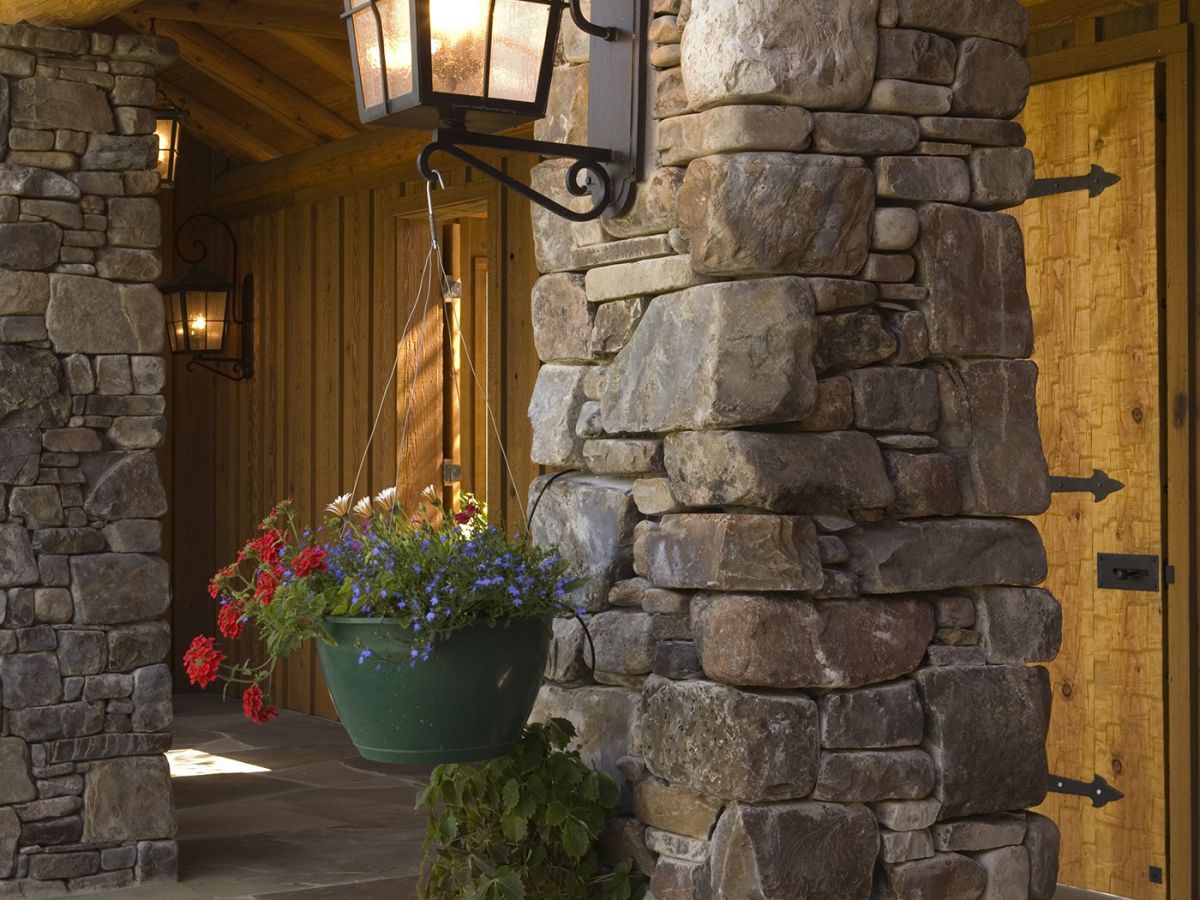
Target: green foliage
(523, 827)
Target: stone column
(794, 383)
(85, 696)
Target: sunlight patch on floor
(190, 763)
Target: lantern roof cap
(195, 278)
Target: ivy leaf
(575, 838)
(514, 827)
(556, 813)
(510, 884)
(448, 828)
(512, 794)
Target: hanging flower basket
(467, 702)
(433, 629)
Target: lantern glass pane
(168, 136)
(391, 55)
(458, 44)
(176, 319)
(206, 320)
(518, 41)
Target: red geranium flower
(229, 620)
(203, 661)
(265, 586)
(469, 512)
(252, 706)
(269, 547)
(308, 561)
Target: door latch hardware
(451, 472)
(1156, 875)
(1100, 485)
(1099, 791)
(1124, 572)
(1096, 182)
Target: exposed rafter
(334, 58)
(216, 130)
(250, 81)
(322, 19)
(71, 13)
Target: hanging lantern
(470, 68)
(201, 306)
(168, 125)
(483, 63)
(198, 305)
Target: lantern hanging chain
(387, 388)
(425, 290)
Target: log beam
(68, 13)
(279, 16)
(334, 58)
(219, 132)
(266, 91)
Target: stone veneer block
(726, 743)
(973, 264)
(784, 642)
(863, 133)
(1019, 625)
(944, 876)
(818, 54)
(113, 588)
(777, 213)
(915, 56)
(733, 129)
(554, 410)
(647, 277)
(938, 554)
(92, 315)
(889, 715)
(786, 850)
(590, 520)
(1042, 843)
(128, 799)
(49, 103)
(987, 763)
(989, 425)
(992, 80)
(1001, 20)
(733, 553)
(736, 353)
(787, 473)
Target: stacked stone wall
(794, 384)
(85, 695)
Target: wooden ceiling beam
(68, 13)
(334, 58)
(268, 92)
(281, 16)
(217, 131)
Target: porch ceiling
(265, 79)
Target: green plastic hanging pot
(469, 701)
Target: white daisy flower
(363, 508)
(386, 499)
(340, 507)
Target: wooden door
(1093, 279)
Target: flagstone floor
(305, 819)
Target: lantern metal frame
(239, 306)
(607, 169)
(176, 115)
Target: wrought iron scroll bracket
(590, 28)
(588, 175)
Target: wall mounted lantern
(201, 306)
(469, 68)
(168, 123)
